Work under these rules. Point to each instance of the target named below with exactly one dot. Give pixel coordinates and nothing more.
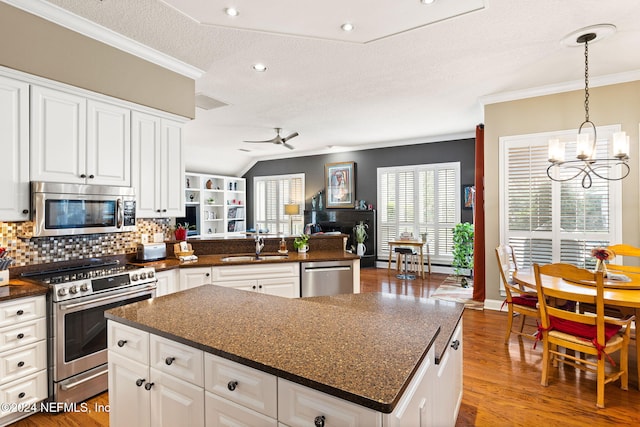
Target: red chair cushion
(581, 330)
(527, 300)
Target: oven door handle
(107, 298)
(68, 386)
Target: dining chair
(624, 250)
(592, 336)
(518, 301)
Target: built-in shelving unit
(220, 203)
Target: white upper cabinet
(58, 136)
(108, 144)
(157, 166)
(14, 134)
(79, 140)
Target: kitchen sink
(245, 258)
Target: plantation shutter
(270, 196)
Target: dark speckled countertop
(363, 348)
(21, 289)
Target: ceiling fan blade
(274, 140)
(293, 135)
(290, 147)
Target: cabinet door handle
(20, 364)
(169, 360)
(83, 175)
(207, 274)
(140, 381)
(148, 386)
(455, 344)
(91, 176)
(25, 211)
(121, 343)
(158, 210)
(231, 385)
(319, 421)
(20, 336)
(164, 210)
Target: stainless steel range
(77, 327)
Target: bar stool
(400, 254)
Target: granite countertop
(21, 289)
(216, 260)
(363, 348)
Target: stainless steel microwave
(60, 209)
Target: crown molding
(611, 79)
(90, 29)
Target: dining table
(623, 294)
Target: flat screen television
(192, 217)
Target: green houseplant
(463, 250)
(360, 231)
(301, 243)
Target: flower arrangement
(602, 254)
(301, 242)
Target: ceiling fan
(278, 139)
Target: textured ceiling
(418, 85)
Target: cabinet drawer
(221, 412)
(177, 359)
(23, 361)
(127, 341)
(22, 333)
(300, 406)
(21, 310)
(25, 391)
(246, 386)
(262, 271)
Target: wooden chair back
(579, 277)
(624, 250)
(507, 263)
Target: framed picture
(341, 183)
(468, 196)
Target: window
(547, 221)
(419, 199)
(271, 193)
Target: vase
(601, 266)
(181, 234)
(303, 249)
(361, 249)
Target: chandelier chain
(586, 81)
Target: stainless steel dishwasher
(323, 278)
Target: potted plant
(180, 230)
(463, 250)
(360, 231)
(301, 243)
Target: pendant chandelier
(586, 165)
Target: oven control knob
(134, 277)
(62, 292)
(73, 289)
(150, 274)
(143, 276)
(84, 287)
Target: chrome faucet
(259, 243)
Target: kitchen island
(368, 358)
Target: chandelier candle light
(586, 164)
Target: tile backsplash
(43, 250)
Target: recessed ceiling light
(347, 26)
(427, 1)
(260, 67)
(231, 11)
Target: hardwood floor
(501, 382)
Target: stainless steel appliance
(77, 328)
(323, 278)
(60, 209)
(151, 251)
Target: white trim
(81, 25)
(628, 76)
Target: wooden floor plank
(501, 382)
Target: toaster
(151, 251)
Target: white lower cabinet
(23, 356)
(168, 282)
(449, 381)
(151, 380)
(280, 279)
(193, 277)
